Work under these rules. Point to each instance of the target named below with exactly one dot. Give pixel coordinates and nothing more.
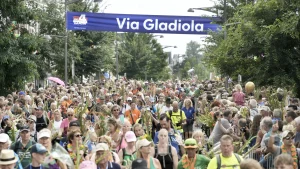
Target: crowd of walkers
(155, 125)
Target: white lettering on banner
(135, 25)
(132, 25)
(150, 24)
(163, 26)
(186, 27)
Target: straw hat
(7, 157)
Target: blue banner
(140, 23)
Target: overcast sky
(162, 7)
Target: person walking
(227, 158)
(191, 159)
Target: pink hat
(87, 165)
(130, 136)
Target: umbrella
(56, 80)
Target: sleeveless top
(165, 160)
(127, 157)
(152, 166)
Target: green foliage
(262, 45)
(193, 60)
(141, 56)
(193, 50)
(18, 61)
(91, 51)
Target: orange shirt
(135, 114)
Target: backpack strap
(50, 114)
(298, 155)
(180, 116)
(123, 151)
(238, 158)
(170, 152)
(156, 151)
(218, 161)
(133, 122)
(170, 113)
(45, 119)
(114, 159)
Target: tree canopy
(262, 44)
(18, 62)
(141, 57)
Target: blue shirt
(172, 140)
(189, 112)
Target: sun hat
(101, 146)
(142, 143)
(4, 138)
(130, 136)
(44, 133)
(38, 148)
(32, 117)
(7, 157)
(139, 164)
(190, 143)
(264, 108)
(87, 165)
(286, 133)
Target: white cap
(44, 133)
(4, 138)
(101, 146)
(142, 143)
(32, 117)
(265, 108)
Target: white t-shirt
(166, 109)
(56, 126)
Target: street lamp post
(66, 3)
(208, 9)
(117, 57)
(66, 46)
(164, 47)
(160, 36)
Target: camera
(243, 129)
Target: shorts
(188, 127)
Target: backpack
(123, 151)
(219, 160)
(114, 158)
(45, 119)
(170, 114)
(169, 151)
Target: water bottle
(122, 118)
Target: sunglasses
(289, 138)
(78, 135)
(103, 142)
(70, 115)
(30, 122)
